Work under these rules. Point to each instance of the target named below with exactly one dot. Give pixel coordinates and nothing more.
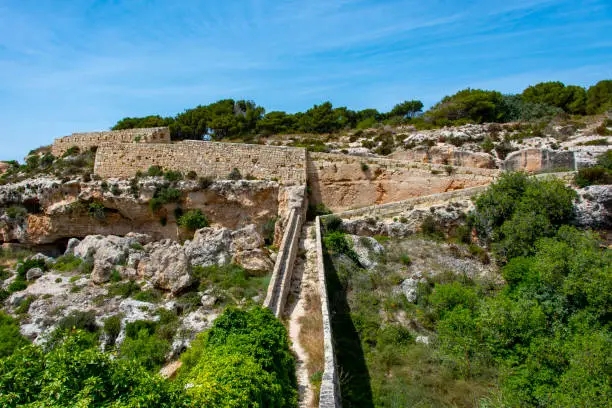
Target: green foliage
(112, 328)
(473, 105)
(193, 220)
(155, 171)
(234, 174)
(16, 212)
(268, 230)
(407, 108)
(16, 286)
(164, 195)
(124, 289)
(10, 337)
(79, 320)
(572, 99)
(75, 374)
(97, 210)
(67, 263)
(517, 210)
(242, 361)
(593, 175)
(333, 223)
(235, 282)
(171, 175)
(599, 97)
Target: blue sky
(68, 66)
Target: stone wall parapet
(329, 396)
(85, 141)
(212, 159)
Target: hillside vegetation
(228, 118)
(242, 361)
(539, 337)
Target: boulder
(220, 246)
(33, 274)
(210, 246)
(366, 249)
(593, 208)
(410, 286)
(256, 260)
(101, 272)
(72, 244)
(246, 239)
(166, 266)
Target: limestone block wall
(85, 141)
(329, 396)
(344, 182)
(283, 268)
(446, 154)
(216, 160)
(535, 160)
(399, 207)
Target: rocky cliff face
(47, 210)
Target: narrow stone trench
(304, 285)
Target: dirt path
(304, 284)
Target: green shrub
(333, 223)
(173, 175)
(80, 321)
(234, 174)
(124, 289)
(243, 360)
(155, 171)
(192, 175)
(67, 263)
(268, 230)
(205, 182)
(16, 286)
(10, 337)
(193, 220)
(364, 167)
(16, 212)
(24, 306)
(146, 349)
(97, 210)
(151, 296)
(112, 328)
(405, 259)
(593, 175)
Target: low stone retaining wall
(85, 141)
(329, 396)
(283, 268)
(396, 208)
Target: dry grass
(311, 338)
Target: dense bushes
(600, 174)
(242, 361)
(10, 337)
(517, 210)
(75, 374)
(193, 220)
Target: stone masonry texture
(211, 159)
(85, 141)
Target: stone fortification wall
(345, 182)
(283, 268)
(85, 141)
(329, 396)
(286, 164)
(399, 207)
(537, 160)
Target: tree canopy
(229, 118)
